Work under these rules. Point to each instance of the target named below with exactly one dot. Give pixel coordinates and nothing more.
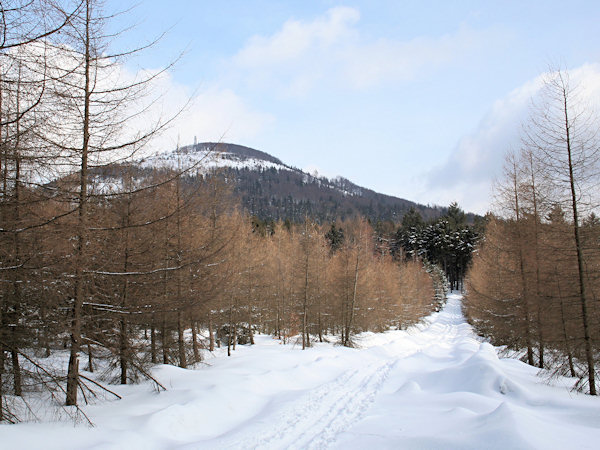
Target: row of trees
(172, 270)
(447, 242)
(65, 107)
(535, 281)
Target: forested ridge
(272, 190)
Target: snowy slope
(433, 386)
(207, 157)
(204, 158)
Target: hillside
(272, 190)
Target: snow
(435, 385)
(206, 160)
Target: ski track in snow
(313, 421)
(435, 385)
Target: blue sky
(411, 98)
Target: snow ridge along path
(436, 385)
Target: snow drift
(435, 385)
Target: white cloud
(298, 39)
(330, 49)
(211, 114)
(468, 173)
(370, 63)
(217, 113)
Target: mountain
(267, 187)
(273, 190)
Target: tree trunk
(82, 236)
(230, 334)
(153, 353)
(353, 303)
(538, 292)
(18, 391)
(123, 322)
(234, 338)
(211, 335)
(90, 358)
(180, 340)
(17, 383)
(305, 342)
(564, 328)
(179, 300)
(45, 340)
(195, 343)
(582, 286)
(320, 324)
(165, 341)
(16, 367)
(524, 285)
(123, 349)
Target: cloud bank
(476, 160)
(331, 50)
(212, 113)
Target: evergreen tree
(335, 237)
(447, 242)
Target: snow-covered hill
(210, 156)
(272, 190)
(435, 385)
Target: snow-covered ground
(433, 386)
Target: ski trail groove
(342, 416)
(314, 420)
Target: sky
(416, 99)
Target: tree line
(273, 194)
(100, 263)
(446, 242)
(534, 282)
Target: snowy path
(318, 416)
(433, 386)
(454, 392)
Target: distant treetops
(447, 241)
